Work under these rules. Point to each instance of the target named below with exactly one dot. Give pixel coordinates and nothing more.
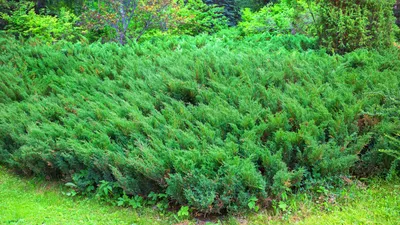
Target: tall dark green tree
(233, 7)
(232, 10)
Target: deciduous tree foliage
(139, 15)
(25, 23)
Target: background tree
(232, 10)
(200, 18)
(137, 16)
(253, 4)
(347, 25)
(397, 12)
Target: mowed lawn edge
(34, 201)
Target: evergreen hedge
(211, 121)
(347, 25)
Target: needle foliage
(212, 121)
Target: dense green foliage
(231, 9)
(285, 17)
(213, 122)
(26, 23)
(348, 25)
(214, 106)
(253, 4)
(201, 18)
(394, 142)
(341, 26)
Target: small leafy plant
(253, 204)
(136, 202)
(72, 190)
(159, 200)
(105, 191)
(182, 214)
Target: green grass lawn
(32, 201)
(27, 201)
(379, 203)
